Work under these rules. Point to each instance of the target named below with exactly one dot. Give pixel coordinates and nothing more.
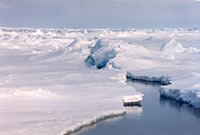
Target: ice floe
(132, 100)
(47, 87)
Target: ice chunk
(172, 47)
(191, 97)
(184, 92)
(164, 80)
(102, 52)
(132, 100)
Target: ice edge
(164, 80)
(183, 96)
(77, 127)
(190, 98)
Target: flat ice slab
(132, 100)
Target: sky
(100, 13)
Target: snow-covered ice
(186, 89)
(132, 100)
(104, 116)
(49, 82)
(47, 88)
(173, 62)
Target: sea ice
(132, 100)
(47, 87)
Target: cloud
(100, 13)
(4, 6)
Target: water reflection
(178, 106)
(156, 116)
(142, 83)
(134, 110)
(93, 126)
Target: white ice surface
(174, 65)
(46, 88)
(174, 61)
(132, 99)
(186, 89)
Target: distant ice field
(54, 81)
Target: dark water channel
(157, 116)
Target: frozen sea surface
(158, 116)
(54, 81)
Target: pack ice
(56, 81)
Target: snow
(186, 90)
(135, 99)
(172, 47)
(46, 87)
(167, 65)
(164, 80)
(56, 81)
(86, 123)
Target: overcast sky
(100, 13)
